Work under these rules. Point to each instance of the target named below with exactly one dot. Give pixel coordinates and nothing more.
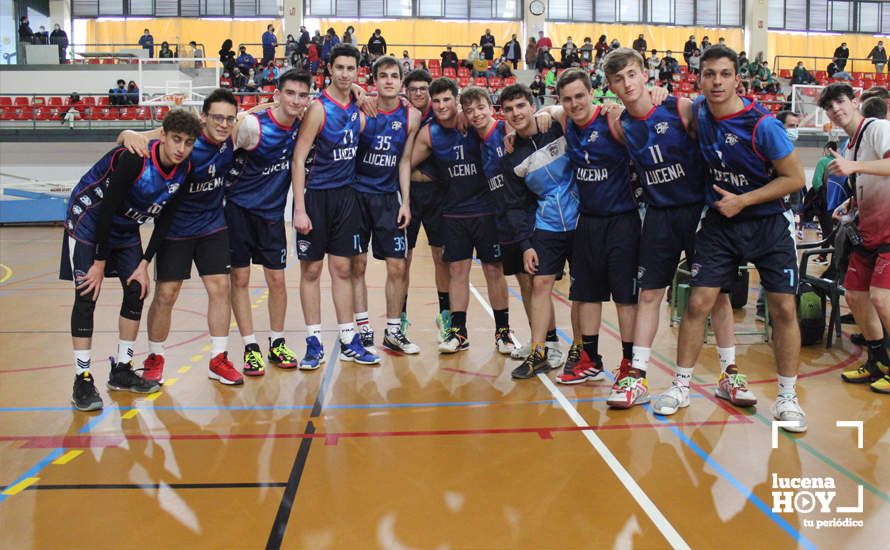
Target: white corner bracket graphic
(776, 424)
(852, 424)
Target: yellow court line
(170, 381)
(21, 486)
(67, 457)
(196, 358)
(154, 396)
(130, 414)
(184, 369)
(206, 348)
(7, 273)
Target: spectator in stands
(513, 52)
(666, 75)
(841, 54)
(226, 55)
(349, 37)
(801, 75)
(539, 90)
(640, 45)
(486, 43)
(653, 62)
(569, 54)
(165, 52)
(252, 82)
(303, 43)
(239, 81)
(705, 43)
(132, 93)
(878, 56)
(72, 113)
(550, 81)
(225, 80)
(312, 57)
(292, 51)
(330, 40)
(544, 44)
(147, 41)
(406, 59)
(26, 35)
(198, 53)
(615, 44)
(586, 52)
(270, 74)
(376, 45)
(364, 58)
(473, 56)
(531, 53)
(755, 64)
(245, 61)
(503, 68)
(694, 61)
(672, 64)
(60, 38)
(601, 47)
(815, 202)
(743, 60)
(689, 47)
(834, 70)
(449, 59)
(118, 95)
(721, 41)
(270, 42)
(41, 36)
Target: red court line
(91, 441)
(470, 373)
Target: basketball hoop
(176, 99)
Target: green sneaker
(282, 356)
(404, 324)
(443, 321)
(253, 361)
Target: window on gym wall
(865, 16)
(179, 8)
(713, 13)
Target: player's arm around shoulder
(137, 142)
(687, 117)
(246, 134)
(613, 112)
(422, 147)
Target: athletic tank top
(458, 159)
(200, 209)
(332, 162)
(380, 150)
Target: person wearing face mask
(689, 47)
(538, 90)
(60, 38)
(878, 56)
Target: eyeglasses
(418, 90)
(222, 119)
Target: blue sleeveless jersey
(380, 150)
(200, 210)
(492, 154)
(668, 161)
(458, 159)
(147, 196)
(259, 178)
(601, 168)
(739, 149)
(333, 155)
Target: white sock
(727, 357)
(347, 331)
(313, 330)
(641, 357)
(218, 344)
(683, 377)
(249, 339)
(156, 348)
(125, 351)
(393, 325)
(361, 320)
(786, 385)
(81, 361)
(273, 336)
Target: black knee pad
(131, 307)
(82, 316)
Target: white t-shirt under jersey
(872, 192)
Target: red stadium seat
(463, 81)
(435, 72)
(463, 71)
(5, 100)
(22, 101)
(480, 81)
(248, 101)
(102, 101)
(161, 112)
(880, 78)
(496, 82)
(93, 61)
(55, 101)
(449, 72)
(140, 113)
(785, 73)
(821, 75)
(509, 81)
(88, 100)
(24, 112)
(7, 112)
(108, 61)
(434, 63)
(127, 113)
(866, 84)
(43, 113)
(38, 101)
(857, 75)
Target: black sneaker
(123, 377)
(858, 338)
(572, 359)
(85, 397)
(367, 337)
(533, 364)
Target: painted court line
(663, 525)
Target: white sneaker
(398, 342)
(521, 353)
(554, 355)
(505, 342)
(668, 403)
(787, 408)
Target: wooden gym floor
(419, 452)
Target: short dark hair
(295, 75)
(182, 121)
(783, 115)
(835, 91)
(219, 95)
(121, 81)
(345, 50)
(874, 107)
(417, 75)
(473, 93)
(831, 145)
(385, 61)
(516, 91)
(571, 75)
(443, 84)
(719, 52)
(875, 91)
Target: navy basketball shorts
(210, 254)
(336, 224)
(604, 258)
(256, 239)
(427, 199)
(77, 258)
(723, 244)
(511, 258)
(554, 249)
(667, 232)
(463, 235)
(380, 225)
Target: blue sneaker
(353, 351)
(314, 354)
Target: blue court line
(723, 472)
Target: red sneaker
(586, 369)
(153, 368)
(222, 370)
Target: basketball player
(198, 235)
(752, 166)
(383, 178)
(106, 208)
(254, 211)
(326, 209)
(661, 142)
(468, 215)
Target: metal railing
(80, 111)
(854, 64)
